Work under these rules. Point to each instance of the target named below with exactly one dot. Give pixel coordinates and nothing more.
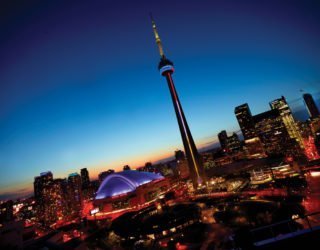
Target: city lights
(248, 185)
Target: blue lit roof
(73, 174)
(124, 182)
(45, 173)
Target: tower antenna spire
(157, 37)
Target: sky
(80, 85)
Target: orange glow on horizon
(140, 160)
(22, 189)
(25, 188)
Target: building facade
(285, 112)
(85, 179)
(311, 106)
(230, 144)
(272, 132)
(75, 193)
(245, 120)
(55, 203)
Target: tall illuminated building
(286, 115)
(75, 192)
(166, 69)
(229, 144)
(223, 139)
(311, 106)
(253, 145)
(44, 179)
(40, 184)
(55, 202)
(271, 130)
(245, 120)
(50, 198)
(233, 143)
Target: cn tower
(166, 69)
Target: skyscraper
(233, 143)
(74, 190)
(40, 184)
(55, 203)
(182, 165)
(272, 132)
(253, 144)
(85, 179)
(245, 121)
(229, 144)
(50, 197)
(223, 138)
(311, 106)
(166, 69)
(285, 112)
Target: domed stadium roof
(124, 182)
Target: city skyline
(50, 140)
(28, 191)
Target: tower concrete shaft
(194, 161)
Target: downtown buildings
(267, 133)
(274, 132)
(231, 143)
(58, 200)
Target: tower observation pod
(194, 161)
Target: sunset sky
(80, 85)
